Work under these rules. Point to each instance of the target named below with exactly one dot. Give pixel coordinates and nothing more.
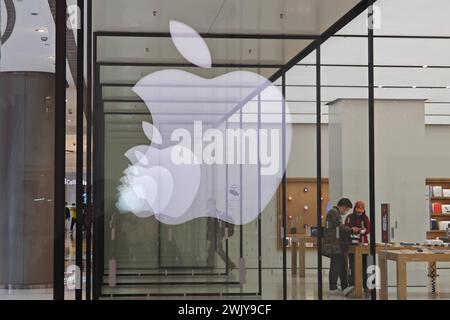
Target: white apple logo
(178, 100)
(148, 184)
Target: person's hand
(355, 230)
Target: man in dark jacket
(336, 239)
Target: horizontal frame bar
(131, 34)
(185, 65)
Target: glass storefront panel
(301, 183)
(196, 253)
(345, 89)
(412, 171)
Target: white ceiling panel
(406, 17)
(311, 17)
(236, 51)
(224, 16)
(25, 50)
(414, 17)
(153, 15)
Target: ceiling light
(448, 87)
(380, 87)
(414, 87)
(51, 57)
(41, 30)
(425, 66)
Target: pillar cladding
(26, 178)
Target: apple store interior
(219, 149)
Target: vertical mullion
(96, 174)
(227, 267)
(60, 156)
(371, 139)
(101, 198)
(283, 183)
(241, 207)
(259, 199)
(88, 148)
(319, 170)
(79, 152)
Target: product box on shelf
(446, 193)
(443, 225)
(446, 208)
(437, 191)
(437, 208)
(434, 224)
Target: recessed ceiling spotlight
(425, 66)
(448, 87)
(380, 87)
(414, 87)
(51, 57)
(41, 30)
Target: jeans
(338, 270)
(352, 270)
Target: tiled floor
(298, 288)
(203, 284)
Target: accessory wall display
(301, 206)
(437, 196)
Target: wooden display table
(402, 257)
(359, 251)
(299, 245)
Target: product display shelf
(438, 200)
(433, 234)
(441, 217)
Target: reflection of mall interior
(202, 149)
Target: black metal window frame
(99, 113)
(98, 138)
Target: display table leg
(401, 279)
(294, 248)
(358, 273)
(302, 253)
(384, 277)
